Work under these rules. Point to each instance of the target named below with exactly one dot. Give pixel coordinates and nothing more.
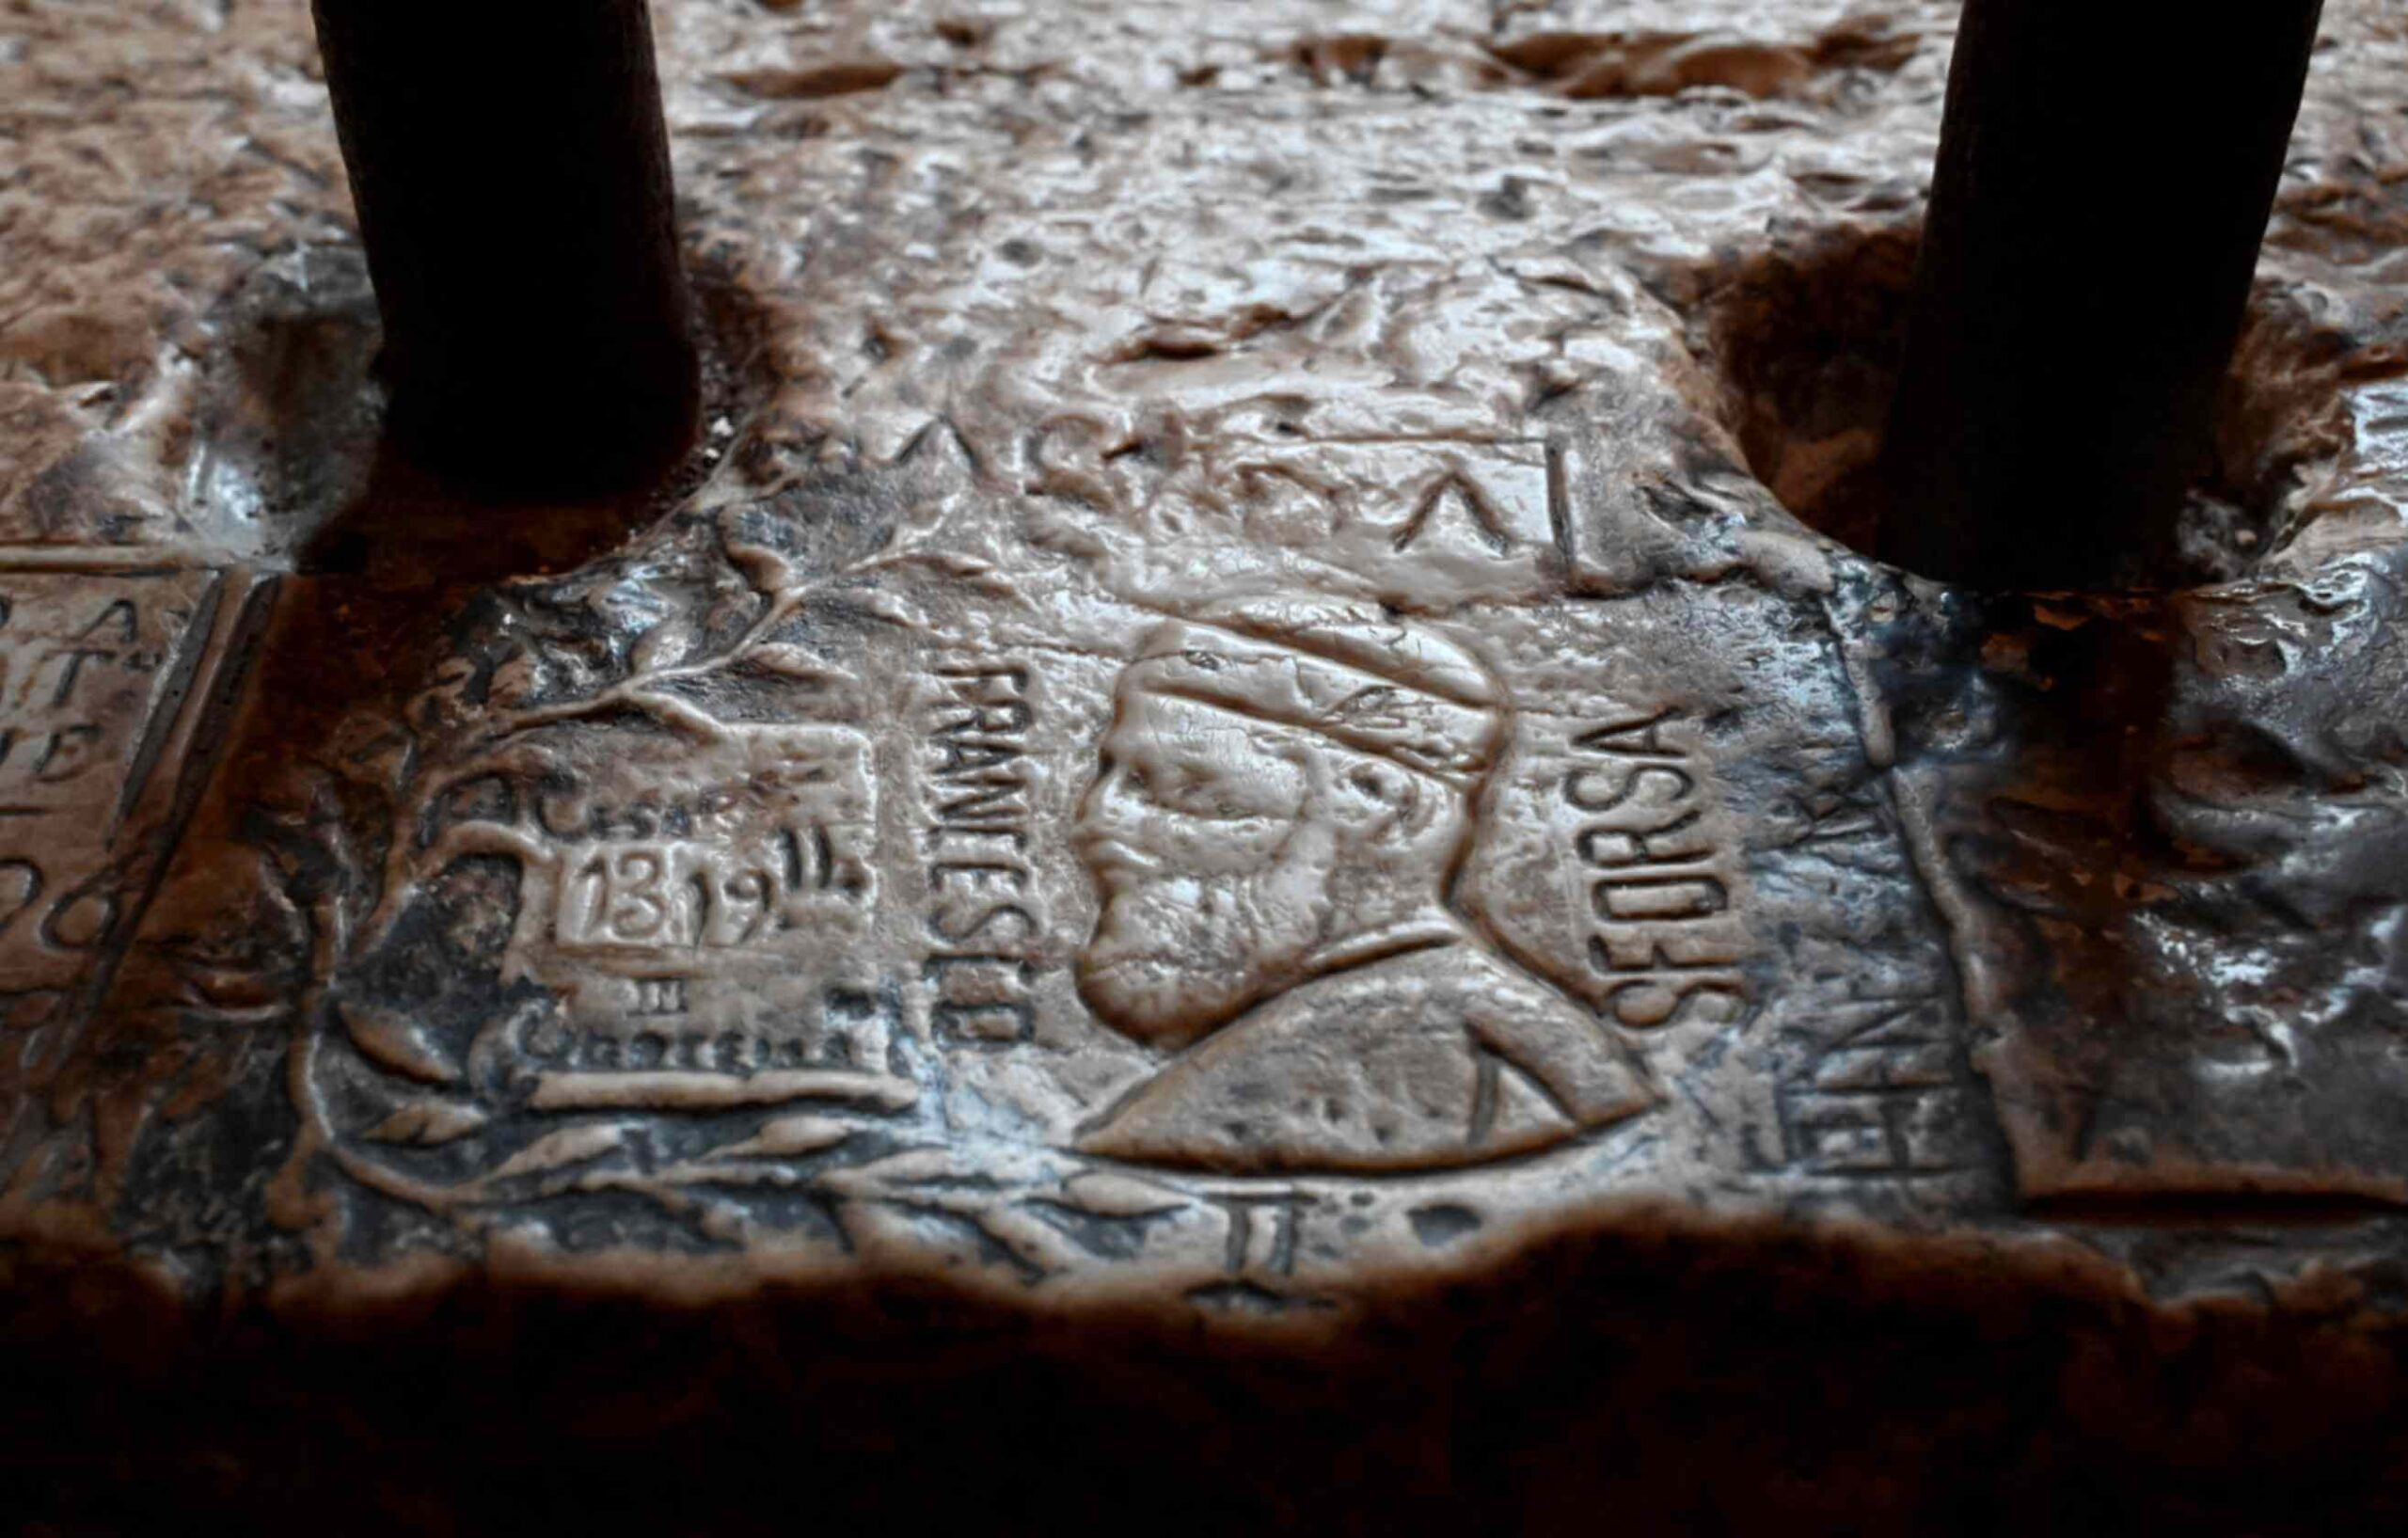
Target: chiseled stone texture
(1228, 714)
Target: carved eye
(1196, 795)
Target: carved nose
(1103, 811)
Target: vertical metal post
(2106, 170)
(511, 171)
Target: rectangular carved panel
(103, 677)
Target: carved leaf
(792, 662)
(996, 584)
(664, 645)
(1033, 1244)
(959, 565)
(1117, 1195)
(887, 606)
(969, 570)
(767, 568)
(944, 563)
(679, 715)
(914, 1170)
(515, 682)
(391, 1042)
(786, 1138)
(426, 1122)
(555, 1150)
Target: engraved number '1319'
(638, 895)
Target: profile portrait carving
(1284, 801)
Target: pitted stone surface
(1228, 713)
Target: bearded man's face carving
(1285, 784)
(1212, 861)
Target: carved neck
(1421, 932)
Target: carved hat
(1349, 671)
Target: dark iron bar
(2105, 176)
(511, 171)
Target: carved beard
(1173, 957)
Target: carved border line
(180, 745)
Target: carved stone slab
(106, 677)
(1229, 717)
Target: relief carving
(985, 919)
(852, 888)
(1235, 708)
(1283, 804)
(1884, 1097)
(675, 959)
(1665, 941)
(103, 682)
(1616, 874)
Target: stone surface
(1230, 722)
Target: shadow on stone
(1807, 337)
(402, 527)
